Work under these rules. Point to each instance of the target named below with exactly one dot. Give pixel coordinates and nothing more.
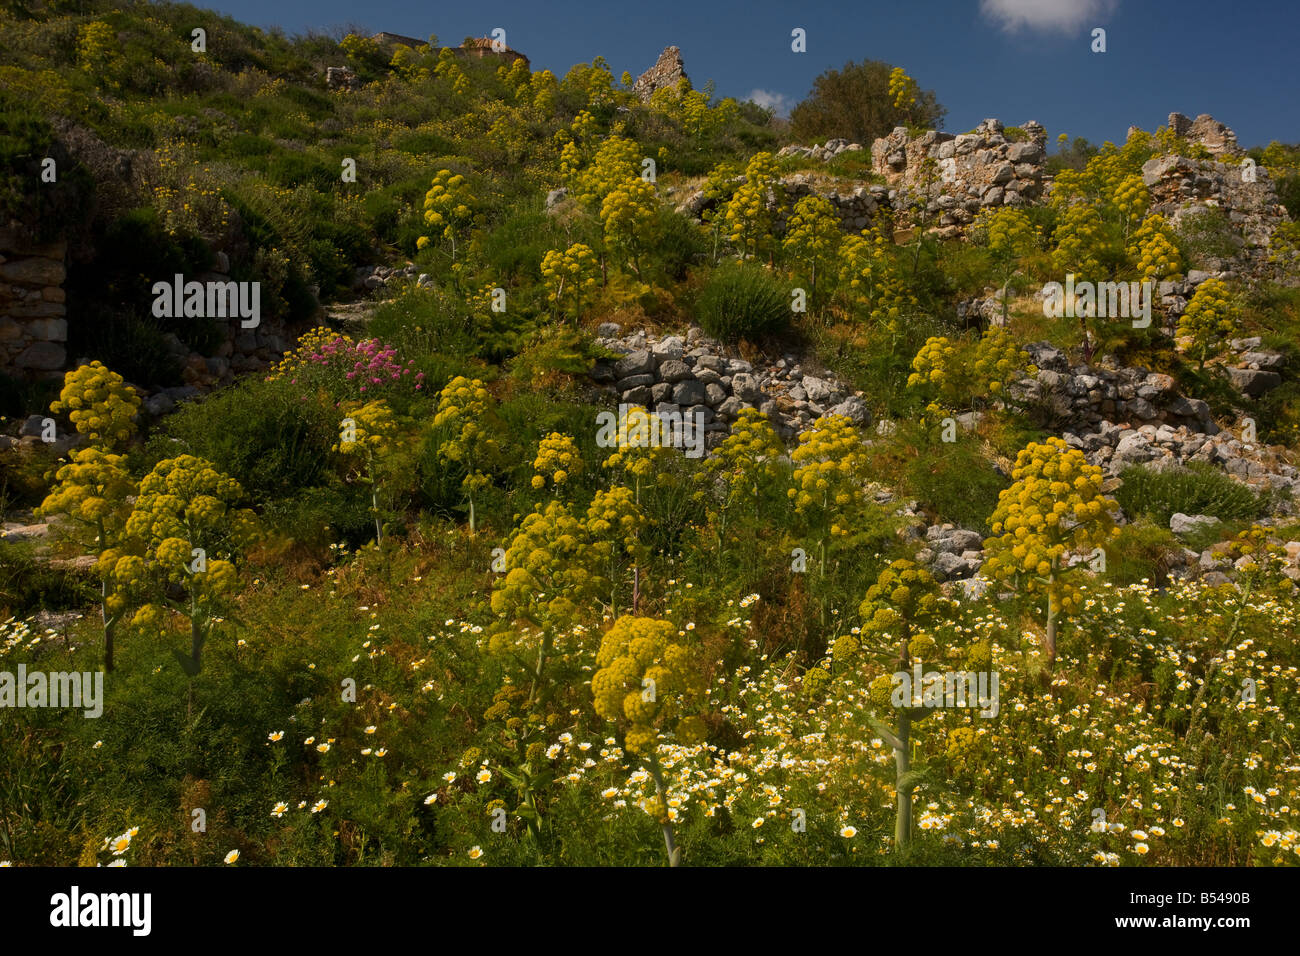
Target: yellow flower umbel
(748, 456)
(813, 235)
(902, 90)
(552, 572)
(831, 468)
(1154, 250)
(185, 516)
(873, 279)
(745, 466)
(1054, 506)
(648, 680)
(629, 214)
(558, 461)
(447, 207)
(100, 403)
(1211, 319)
(617, 161)
(829, 478)
(634, 455)
(904, 597)
(372, 436)
(999, 361)
(93, 490)
(615, 525)
(1010, 236)
(748, 221)
(465, 406)
(569, 277)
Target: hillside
(440, 461)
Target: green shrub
(680, 244)
(1197, 489)
(1142, 550)
(1207, 233)
(267, 435)
(954, 479)
(315, 518)
(28, 585)
(742, 300)
(433, 327)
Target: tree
(1054, 506)
(856, 103)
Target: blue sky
(1013, 59)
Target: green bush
(315, 518)
(1197, 489)
(267, 435)
(28, 585)
(1142, 550)
(954, 479)
(742, 300)
(680, 244)
(1208, 234)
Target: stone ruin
(972, 171)
(668, 69)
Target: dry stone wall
(33, 314)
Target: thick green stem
(541, 667)
(1053, 611)
(902, 766)
(109, 624)
(670, 843)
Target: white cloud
(772, 101)
(1062, 16)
